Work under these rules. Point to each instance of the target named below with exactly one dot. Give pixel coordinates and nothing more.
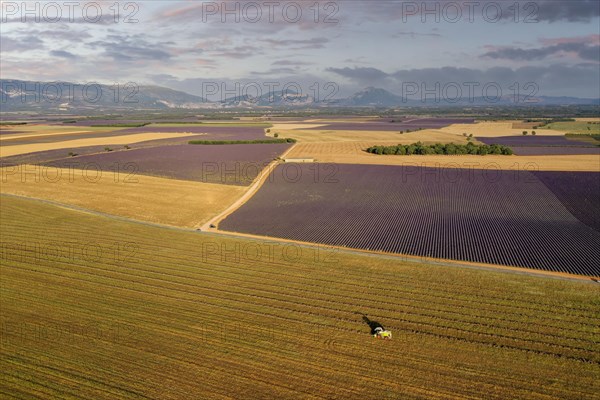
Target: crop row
(249, 329)
(504, 218)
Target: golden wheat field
(98, 308)
(354, 153)
(494, 129)
(125, 194)
(426, 135)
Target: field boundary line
(339, 249)
(413, 258)
(251, 191)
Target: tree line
(441, 148)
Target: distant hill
(18, 95)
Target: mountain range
(19, 95)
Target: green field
(93, 308)
(580, 127)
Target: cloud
(558, 80)
(132, 48)
(252, 16)
(63, 54)
(568, 10)
(533, 11)
(298, 44)
(292, 63)
(274, 71)
(237, 53)
(107, 18)
(555, 80)
(20, 44)
(415, 34)
(59, 32)
(360, 74)
(586, 48)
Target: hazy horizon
(186, 45)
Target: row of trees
(441, 148)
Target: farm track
(458, 333)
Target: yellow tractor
(381, 333)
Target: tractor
(381, 333)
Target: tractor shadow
(372, 324)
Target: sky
(321, 48)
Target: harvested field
(492, 129)
(353, 153)
(12, 150)
(429, 136)
(317, 149)
(124, 193)
(412, 124)
(236, 164)
(494, 217)
(170, 317)
(526, 125)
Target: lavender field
(209, 132)
(543, 145)
(544, 141)
(554, 150)
(578, 191)
(495, 217)
(236, 164)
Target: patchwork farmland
(154, 264)
(344, 200)
(495, 217)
